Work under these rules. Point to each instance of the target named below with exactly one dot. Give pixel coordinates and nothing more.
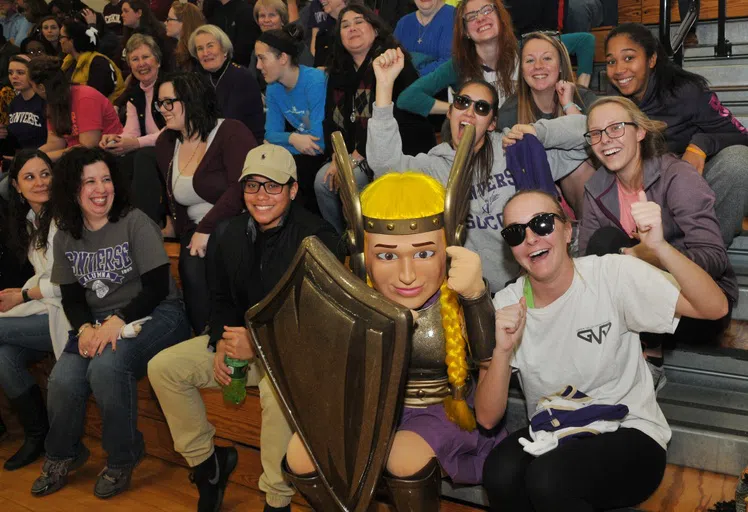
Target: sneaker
(113, 481)
(658, 376)
(212, 476)
(55, 473)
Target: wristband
(569, 105)
(25, 295)
(695, 150)
(118, 313)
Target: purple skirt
(461, 454)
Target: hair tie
(91, 32)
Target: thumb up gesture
(648, 218)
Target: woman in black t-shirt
(27, 119)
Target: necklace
(187, 165)
(423, 24)
(210, 77)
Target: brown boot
(418, 493)
(691, 40)
(311, 487)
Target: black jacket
(237, 20)
(249, 262)
(136, 96)
(693, 116)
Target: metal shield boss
(336, 352)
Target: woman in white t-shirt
(575, 322)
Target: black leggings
(690, 331)
(607, 471)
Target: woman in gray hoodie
(475, 103)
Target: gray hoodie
(562, 138)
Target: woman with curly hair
(32, 323)
(200, 157)
(483, 46)
(124, 308)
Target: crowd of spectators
(210, 122)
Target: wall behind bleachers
(648, 11)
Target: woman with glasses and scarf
(200, 157)
(632, 154)
(476, 104)
(570, 328)
(484, 47)
(360, 37)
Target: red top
(89, 110)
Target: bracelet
(569, 105)
(25, 295)
(83, 328)
(354, 163)
(695, 150)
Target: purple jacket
(688, 219)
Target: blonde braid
(458, 411)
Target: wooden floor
(160, 486)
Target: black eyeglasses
(542, 224)
(271, 187)
(483, 11)
(462, 102)
(166, 104)
(614, 131)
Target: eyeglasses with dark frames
(166, 103)
(272, 188)
(471, 16)
(462, 102)
(614, 131)
(543, 224)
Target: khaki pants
(178, 373)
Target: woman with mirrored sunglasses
(483, 47)
(570, 328)
(476, 104)
(633, 158)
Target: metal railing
(724, 47)
(674, 46)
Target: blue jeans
(22, 340)
(329, 201)
(583, 15)
(113, 379)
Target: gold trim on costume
(404, 226)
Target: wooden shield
(336, 352)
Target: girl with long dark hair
(32, 323)
(476, 104)
(699, 128)
(76, 114)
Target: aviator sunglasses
(542, 224)
(462, 102)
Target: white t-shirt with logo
(589, 337)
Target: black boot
(417, 493)
(211, 477)
(33, 415)
(3, 429)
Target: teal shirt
(418, 97)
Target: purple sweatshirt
(688, 220)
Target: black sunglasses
(542, 224)
(462, 102)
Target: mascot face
(407, 269)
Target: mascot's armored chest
(427, 371)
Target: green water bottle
(236, 392)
